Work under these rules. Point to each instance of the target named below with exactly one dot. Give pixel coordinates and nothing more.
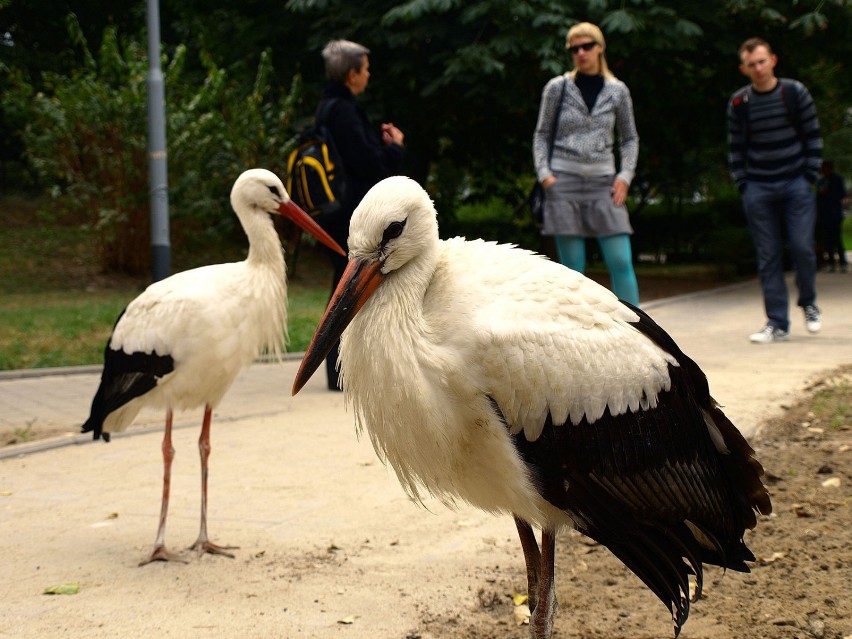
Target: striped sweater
(768, 147)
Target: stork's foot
(541, 621)
(161, 554)
(208, 547)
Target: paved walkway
(326, 532)
(711, 327)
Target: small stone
(817, 628)
(772, 558)
(785, 622)
(802, 510)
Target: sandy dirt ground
(341, 565)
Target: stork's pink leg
(160, 553)
(532, 557)
(203, 544)
(541, 622)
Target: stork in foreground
(490, 374)
(182, 342)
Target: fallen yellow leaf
(522, 614)
(62, 589)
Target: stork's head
(394, 226)
(260, 191)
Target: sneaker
(813, 318)
(769, 334)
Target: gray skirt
(582, 206)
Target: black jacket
(366, 159)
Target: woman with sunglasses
(581, 111)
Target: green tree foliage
(85, 134)
(462, 78)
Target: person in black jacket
(831, 192)
(368, 155)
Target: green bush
(494, 219)
(86, 136)
(712, 231)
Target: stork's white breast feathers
(210, 312)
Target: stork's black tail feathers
(95, 423)
(663, 555)
(655, 489)
(666, 488)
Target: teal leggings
(617, 255)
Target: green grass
(306, 305)
(70, 328)
(58, 328)
(847, 233)
(56, 309)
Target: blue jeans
(771, 208)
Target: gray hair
(342, 55)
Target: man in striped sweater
(774, 156)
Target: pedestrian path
(710, 326)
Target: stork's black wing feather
(741, 462)
(125, 377)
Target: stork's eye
(393, 231)
(274, 190)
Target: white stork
(487, 373)
(182, 342)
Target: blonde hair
(589, 30)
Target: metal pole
(157, 164)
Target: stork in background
(182, 342)
(488, 373)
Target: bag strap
(556, 119)
(789, 99)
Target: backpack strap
(789, 97)
(740, 106)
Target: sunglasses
(586, 46)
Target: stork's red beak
(359, 282)
(294, 212)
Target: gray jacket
(584, 141)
